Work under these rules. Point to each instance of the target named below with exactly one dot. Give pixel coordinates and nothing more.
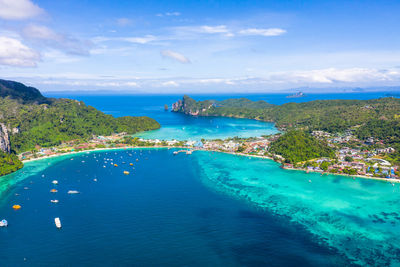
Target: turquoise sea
(204, 209)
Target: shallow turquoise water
(197, 128)
(358, 217)
(201, 209)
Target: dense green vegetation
(298, 146)
(63, 120)
(34, 120)
(327, 115)
(9, 163)
(22, 93)
(378, 118)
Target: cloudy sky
(199, 46)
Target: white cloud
(41, 32)
(124, 22)
(14, 53)
(215, 81)
(19, 9)
(46, 36)
(214, 29)
(172, 14)
(202, 29)
(169, 14)
(170, 84)
(140, 40)
(263, 32)
(333, 75)
(117, 84)
(175, 56)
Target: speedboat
(3, 223)
(55, 182)
(73, 192)
(57, 222)
(54, 201)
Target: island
(30, 122)
(354, 137)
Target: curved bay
(201, 209)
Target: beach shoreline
(209, 150)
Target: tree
(348, 159)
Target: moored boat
(16, 207)
(57, 222)
(3, 223)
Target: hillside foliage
(298, 146)
(63, 120)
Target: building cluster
(366, 159)
(362, 158)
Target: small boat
(57, 222)
(126, 172)
(3, 223)
(16, 207)
(115, 165)
(53, 191)
(73, 192)
(131, 164)
(95, 180)
(55, 182)
(54, 201)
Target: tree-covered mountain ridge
(28, 119)
(327, 115)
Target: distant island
(29, 121)
(296, 95)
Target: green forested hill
(63, 120)
(297, 146)
(22, 93)
(32, 119)
(328, 115)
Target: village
(353, 157)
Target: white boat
(57, 222)
(55, 182)
(54, 201)
(73, 192)
(3, 223)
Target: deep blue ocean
(204, 209)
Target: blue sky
(200, 46)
